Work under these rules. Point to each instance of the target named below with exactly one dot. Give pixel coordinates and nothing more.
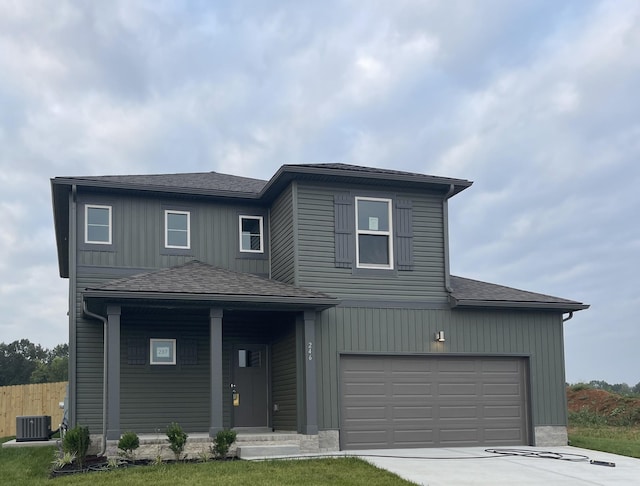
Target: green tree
(24, 362)
(18, 360)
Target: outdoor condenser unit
(33, 428)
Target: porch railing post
(113, 372)
(310, 387)
(215, 346)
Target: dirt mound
(612, 408)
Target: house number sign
(310, 351)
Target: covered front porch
(208, 361)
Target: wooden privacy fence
(39, 399)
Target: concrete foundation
(551, 436)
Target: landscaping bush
(76, 441)
(223, 441)
(127, 444)
(177, 439)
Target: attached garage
(433, 401)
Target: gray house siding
(282, 238)
(138, 234)
(153, 396)
(317, 267)
(536, 336)
(284, 381)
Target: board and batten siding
(537, 336)
(138, 234)
(282, 238)
(153, 396)
(284, 381)
(317, 268)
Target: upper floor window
(97, 228)
(177, 233)
(251, 234)
(374, 238)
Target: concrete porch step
(265, 451)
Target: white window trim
(167, 212)
(86, 224)
(388, 234)
(173, 348)
(260, 219)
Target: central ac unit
(33, 428)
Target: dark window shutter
(188, 352)
(344, 230)
(136, 351)
(404, 234)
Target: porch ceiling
(196, 281)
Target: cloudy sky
(537, 102)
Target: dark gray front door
(250, 407)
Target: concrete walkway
(472, 466)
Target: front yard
(32, 465)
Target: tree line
(619, 388)
(23, 362)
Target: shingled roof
(474, 293)
(198, 281)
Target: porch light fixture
(439, 337)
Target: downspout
(445, 217)
(104, 377)
(565, 319)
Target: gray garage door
(419, 401)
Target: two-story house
(318, 302)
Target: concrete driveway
(472, 466)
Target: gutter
(104, 377)
(568, 318)
(445, 218)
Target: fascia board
(318, 303)
(559, 306)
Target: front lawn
(31, 466)
(617, 440)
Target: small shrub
(586, 417)
(76, 441)
(223, 441)
(128, 444)
(580, 386)
(177, 439)
(63, 460)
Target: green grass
(31, 466)
(617, 440)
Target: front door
(249, 386)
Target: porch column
(113, 372)
(215, 358)
(310, 426)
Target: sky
(537, 102)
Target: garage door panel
(423, 401)
(406, 412)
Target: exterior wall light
(439, 336)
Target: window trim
(172, 343)
(166, 229)
(388, 233)
(261, 223)
(86, 224)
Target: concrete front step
(265, 451)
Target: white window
(374, 238)
(163, 351)
(251, 234)
(97, 227)
(177, 226)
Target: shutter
(188, 352)
(136, 351)
(344, 230)
(404, 234)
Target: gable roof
(200, 282)
(474, 293)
